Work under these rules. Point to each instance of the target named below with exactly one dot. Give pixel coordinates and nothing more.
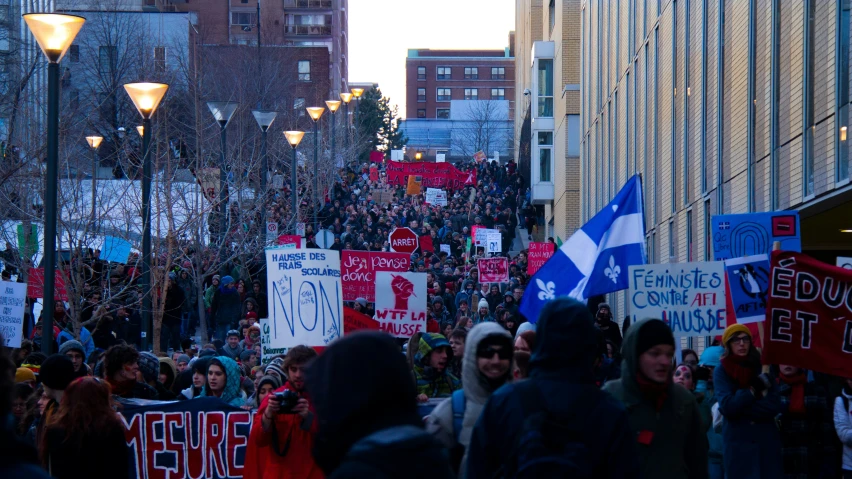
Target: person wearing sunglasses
(486, 366)
(749, 402)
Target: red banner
(539, 253)
(493, 270)
(355, 321)
(377, 157)
(290, 239)
(426, 244)
(35, 285)
(809, 315)
(357, 270)
(434, 175)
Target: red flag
(426, 244)
(377, 157)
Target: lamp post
(141, 130)
(54, 34)
(346, 98)
(294, 138)
(94, 142)
(333, 105)
(264, 121)
(222, 111)
(146, 97)
(418, 156)
(315, 113)
(357, 92)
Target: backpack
(553, 445)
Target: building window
(421, 94)
(707, 238)
(304, 70)
(498, 73)
(444, 94)
(498, 93)
(471, 94)
(421, 73)
(551, 12)
(243, 18)
(421, 113)
(471, 73)
(671, 242)
(810, 70)
(74, 53)
(443, 113)
(689, 257)
(106, 60)
(299, 106)
(545, 88)
(444, 73)
(842, 172)
(545, 154)
(160, 59)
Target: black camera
(288, 400)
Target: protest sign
(202, 438)
(305, 297)
(539, 253)
(374, 173)
(737, 236)
(689, 297)
(809, 315)
(12, 303)
(27, 244)
(433, 175)
(35, 285)
(493, 270)
(844, 262)
(358, 270)
(748, 279)
(271, 231)
(401, 303)
(290, 239)
(435, 196)
(355, 321)
(115, 250)
(383, 197)
(208, 180)
(300, 229)
(267, 351)
(413, 186)
(494, 242)
(426, 244)
(479, 156)
(445, 248)
(377, 157)
(480, 235)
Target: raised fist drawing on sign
(402, 290)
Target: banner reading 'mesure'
(305, 297)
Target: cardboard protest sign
(737, 236)
(426, 244)
(383, 197)
(202, 438)
(35, 285)
(115, 250)
(809, 315)
(413, 186)
(689, 297)
(12, 302)
(435, 196)
(494, 242)
(305, 297)
(479, 156)
(445, 248)
(358, 270)
(748, 280)
(290, 239)
(539, 253)
(493, 270)
(401, 303)
(355, 321)
(267, 351)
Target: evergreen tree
(378, 125)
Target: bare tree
(483, 127)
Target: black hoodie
(368, 421)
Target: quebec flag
(595, 259)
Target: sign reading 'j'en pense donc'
(689, 297)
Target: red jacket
(262, 462)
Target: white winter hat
(483, 303)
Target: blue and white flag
(595, 259)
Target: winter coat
(476, 391)
(190, 292)
(807, 439)
(254, 304)
(208, 296)
(678, 445)
(752, 444)
(173, 308)
(226, 306)
(67, 458)
(560, 373)
(843, 426)
(432, 383)
(232, 394)
(463, 295)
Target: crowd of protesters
(482, 392)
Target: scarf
(797, 394)
(122, 389)
(656, 392)
(743, 370)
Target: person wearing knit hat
(57, 372)
(248, 358)
(75, 352)
(266, 385)
(25, 375)
(749, 401)
(430, 368)
(483, 314)
(275, 368)
(182, 363)
(670, 430)
(149, 366)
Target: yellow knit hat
(733, 329)
(23, 375)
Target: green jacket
(208, 296)
(678, 445)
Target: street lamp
(315, 112)
(418, 156)
(294, 138)
(146, 97)
(54, 34)
(264, 121)
(333, 105)
(141, 130)
(94, 142)
(346, 98)
(222, 111)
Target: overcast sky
(382, 31)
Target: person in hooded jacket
(749, 402)
(431, 374)
(172, 314)
(604, 322)
(168, 375)
(843, 425)
(466, 294)
(225, 307)
(560, 387)
(664, 417)
(223, 381)
(369, 426)
(487, 366)
(197, 376)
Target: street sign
(325, 239)
(271, 231)
(403, 240)
(300, 229)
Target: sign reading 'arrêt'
(403, 240)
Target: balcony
(325, 4)
(307, 29)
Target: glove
(762, 382)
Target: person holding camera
(284, 427)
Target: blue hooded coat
(232, 394)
